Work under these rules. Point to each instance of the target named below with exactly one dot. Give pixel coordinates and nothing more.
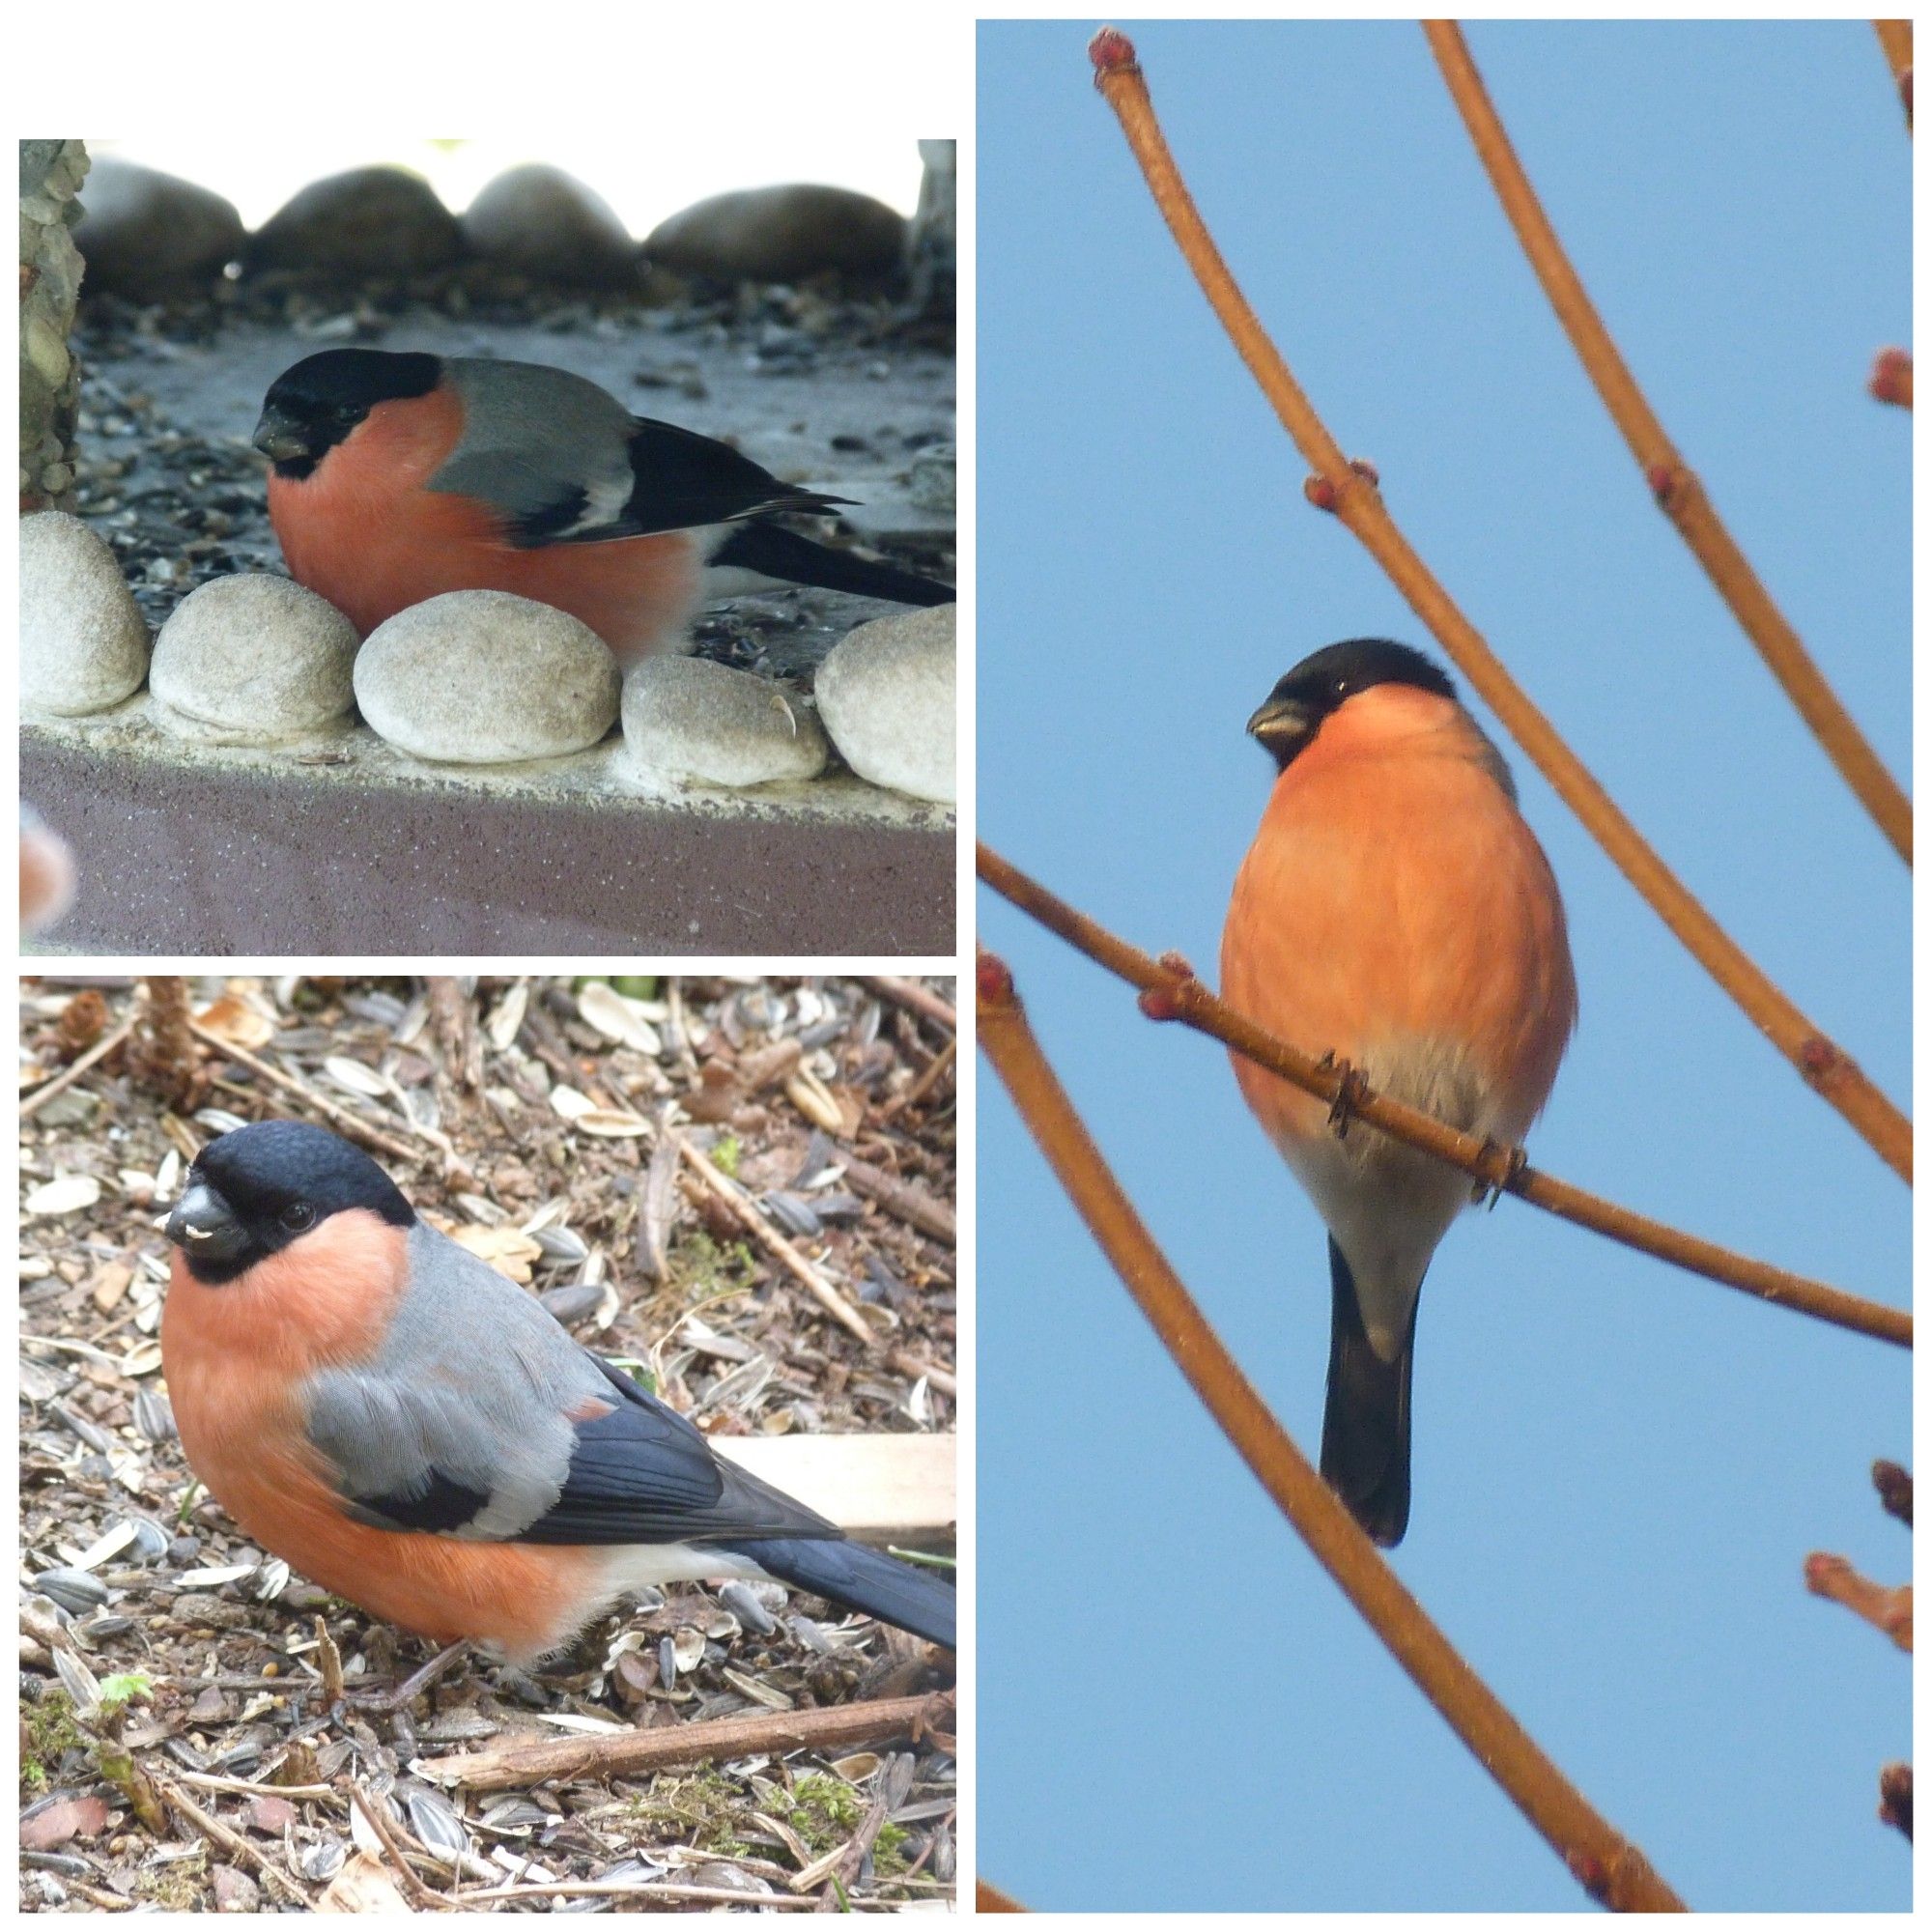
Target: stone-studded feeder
(236, 775)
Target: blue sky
(1619, 1468)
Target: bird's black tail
(858, 1579)
(774, 552)
(1365, 1428)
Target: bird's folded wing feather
(480, 1417)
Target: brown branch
(1604, 1861)
(916, 999)
(229, 1840)
(1170, 992)
(1891, 376)
(1351, 493)
(68, 1075)
(1672, 482)
(1895, 37)
(1889, 1609)
(990, 1898)
(904, 1200)
(672, 1746)
(745, 1212)
(352, 1125)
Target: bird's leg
(411, 1688)
(1348, 1096)
(1490, 1192)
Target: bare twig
(412, 1880)
(1351, 493)
(1608, 1866)
(1889, 1609)
(1895, 37)
(352, 1125)
(1170, 992)
(990, 1898)
(1672, 482)
(743, 1210)
(916, 999)
(68, 1075)
(936, 1070)
(1891, 376)
(670, 1746)
(231, 1841)
(915, 1366)
(161, 1054)
(904, 1200)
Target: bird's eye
(299, 1217)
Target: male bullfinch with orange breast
(1396, 912)
(398, 477)
(383, 1410)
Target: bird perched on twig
(378, 1407)
(395, 478)
(1396, 911)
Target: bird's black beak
(1281, 727)
(203, 1226)
(281, 438)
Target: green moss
(724, 1155)
(51, 1733)
(704, 1268)
(704, 1810)
(177, 1886)
(825, 1811)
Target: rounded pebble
(779, 234)
(479, 677)
(142, 232)
(886, 694)
(253, 660)
(548, 225)
(369, 222)
(83, 643)
(689, 719)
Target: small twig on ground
(675, 1746)
(747, 1214)
(1894, 1797)
(904, 1199)
(412, 1880)
(1167, 992)
(1608, 1866)
(916, 999)
(915, 1366)
(230, 1840)
(352, 1125)
(453, 1018)
(1888, 1609)
(1351, 493)
(68, 1075)
(942, 1063)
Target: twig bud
(1111, 52)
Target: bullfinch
(397, 478)
(1394, 911)
(378, 1407)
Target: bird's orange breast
(365, 531)
(1393, 896)
(236, 1357)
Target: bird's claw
(1515, 1161)
(1348, 1096)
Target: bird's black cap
(310, 408)
(1320, 684)
(254, 1190)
